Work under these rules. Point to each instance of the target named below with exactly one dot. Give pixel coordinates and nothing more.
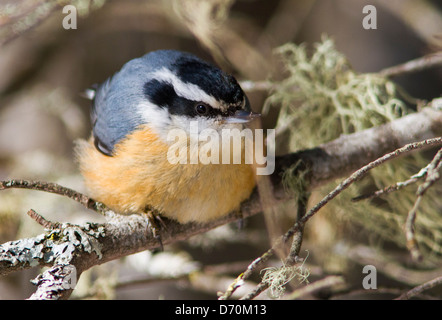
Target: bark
(72, 249)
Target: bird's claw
(155, 224)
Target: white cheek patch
(197, 125)
(161, 122)
(155, 117)
(185, 90)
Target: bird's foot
(155, 224)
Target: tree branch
(432, 176)
(91, 244)
(56, 189)
(419, 64)
(297, 229)
(421, 288)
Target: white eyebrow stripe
(185, 90)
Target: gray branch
(55, 283)
(71, 249)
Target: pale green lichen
(23, 251)
(58, 246)
(277, 278)
(322, 97)
(74, 236)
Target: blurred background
(44, 69)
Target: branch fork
(65, 247)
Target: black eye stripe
(163, 95)
(160, 93)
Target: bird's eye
(201, 109)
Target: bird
(125, 162)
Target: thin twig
(316, 286)
(121, 236)
(291, 259)
(431, 177)
(87, 202)
(357, 175)
(32, 18)
(42, 221)
(293, 256)
(262, 286)
(410, 234)
(395, 187)
(419, 64)
(246, 274)
(419, 289)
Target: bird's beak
(242, 116)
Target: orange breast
(139, 176)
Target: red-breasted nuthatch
(125, 162)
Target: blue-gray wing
(114, 112)
(116, 103)
(103, 137)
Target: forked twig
(299, 225)
(432, 176)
